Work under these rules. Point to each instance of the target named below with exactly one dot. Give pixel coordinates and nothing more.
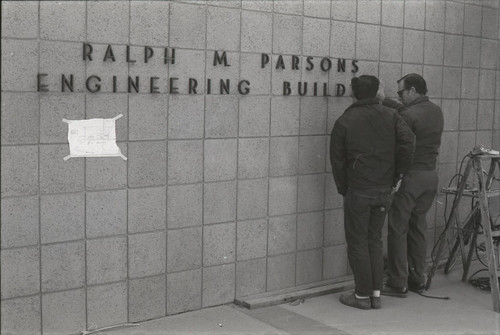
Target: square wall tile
(413, 46)
(58, 175)
(254, 116)
(220, 161)
(485, 114)
(472, 22)
(343, 10)
(146, 254)
(184, 205)
(184, 19)
(186, 117)
(53, 109)
(342, 43)
(334, 233)
(96, 66)
(106, 213)
(19, 170)
(332, 198)
(284, 157)
(254, 69)
(487, 82)
(148, 117)
(221, 117)
(149, 23)
(107, 173)
(184, 249)
(62, 217)
(63, 21)
(147, 163)
(433, 76)
(109, 106)
(63, 312)
(20, 118)
(147, 209)
(451, 76)
(106, 260)
(316, 8)
(183, 291)
(335, 262)
(369, 11)
(434, 14)
(20, 19)
(336, 107)
(250, 277)
(453, 46)
(256, 31)
(310, 230)
(489, 53)
(251, 240)
(367, 42)
(20, 57)
(390, 73)
(280, 272)
(20, 272)
(282, 234)
(309, 266)
(223, 29)
(471, 57)
(311, 191)
(19, 222)
(189, 69)
(283, 75)
(219, 244)
(433, 48)
(263, 6)
(316, 35)
(392, 41)
(490, 23)
(293, 7)
(253, 157)
(63, 266)
(313, 113)
(287, 34)
(218, 285)
(454, 22)
(449, 141)
(108, 21)
(282, 195)
(223, 73)
(61, 58)
(185, 163)
(107, 305)
(451, 111)
(285, 116)
(392, 13)
(21, 315)
(414, 15)
(252, 198)
(219, 202)
(312, 151)
(470, 83)
(147, 298)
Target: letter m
(218, 59)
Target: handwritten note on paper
(93, 138)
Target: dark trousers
(364, 216)
(406, 241)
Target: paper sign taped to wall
(93, 138)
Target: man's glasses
(400, 93)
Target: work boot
(351, 300)
(417, 288)
(376, 302)
(400, 292)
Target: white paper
(93, 138)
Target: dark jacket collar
(419, 100)
(363, 102)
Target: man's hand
(397, 184)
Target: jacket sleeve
(405, 146)
(393, 104)
(338, 157)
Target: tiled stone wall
(222, 195)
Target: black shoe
(351, 300)
(417, 288)
(400, 292)
(376, 302)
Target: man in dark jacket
(370, 146)
(406, 242)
